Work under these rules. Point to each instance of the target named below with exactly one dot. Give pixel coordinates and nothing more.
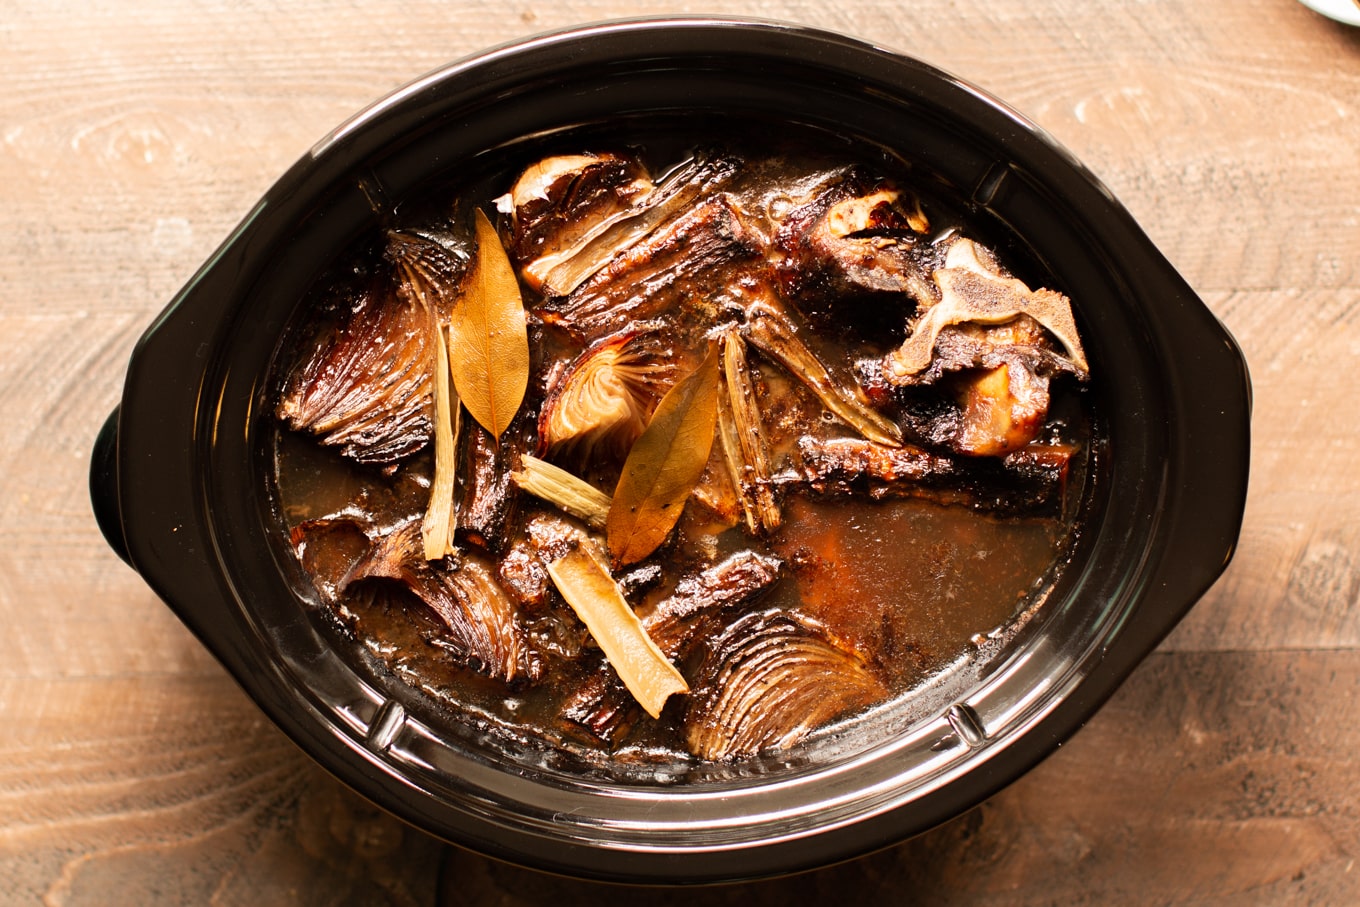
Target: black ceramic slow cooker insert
(181, 472)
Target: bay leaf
(488, 336)
(664, 465)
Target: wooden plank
(1223, 775)
(1217, 779)
(171, 789)
(134, 137)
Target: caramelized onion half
(480, 617)
(768, 680)
(366, 386)
(603, 399)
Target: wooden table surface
(133, 137)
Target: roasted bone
(973, 290)
(683, 268)
(604, 239)
(487, 494)
(855, 239)
(990, 347)
(676, 620)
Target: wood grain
(133, 137)
(1209, 778)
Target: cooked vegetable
(482, 629)
(771, 680)
(366, 385)
(430, 266)
(587, 586)
(602, 706)
(604, 398)
(437, 529)
(774, 334)
(557, 486)
(328, 549)
(743, 438)
(1003, 409)
(716, 492)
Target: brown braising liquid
(905, 584)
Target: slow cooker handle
(104, 486)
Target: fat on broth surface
(904, 574)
